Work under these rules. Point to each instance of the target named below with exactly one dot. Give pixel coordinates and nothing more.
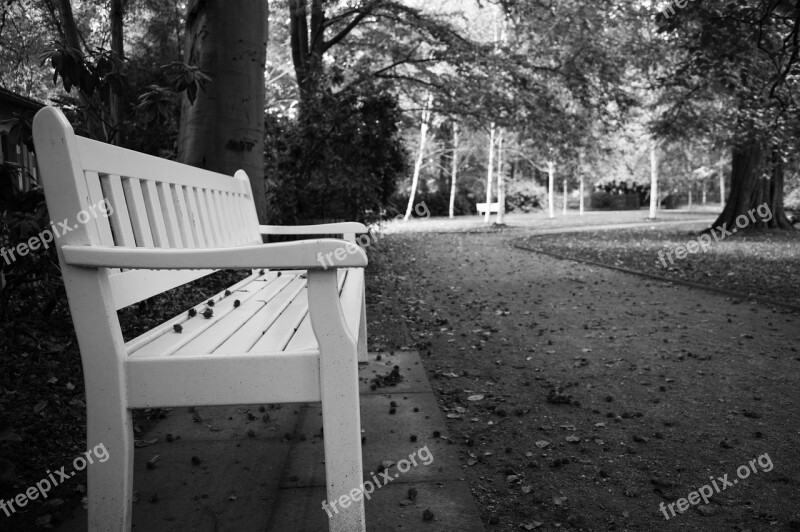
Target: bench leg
(340, 405)
(110, 439)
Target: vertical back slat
(195, 217)
(237, 212)
(187, 232)
(96, 197)
(227, 204)
(137, 211)
(170, 218)
(120, 221)
(223, 225)
(155, 213)
(211, 217)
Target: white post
(489, 175)
(501, 181)
(551, 169)
(581, 199)
(564, 209)
(653, 179)
(423, 133)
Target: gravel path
(603, 394)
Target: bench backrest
(154, 203)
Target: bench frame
(160, 241)
(493, 207)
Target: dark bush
(339, 160)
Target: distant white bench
(292, 331)
(493, 207)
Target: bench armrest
(301, 255)
(321, 229)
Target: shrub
(525, 196)
(340, 160)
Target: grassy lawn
(765, 263)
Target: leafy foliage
(341, 161)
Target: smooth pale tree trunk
(423, 134)
(751, 191)
(704, 193)
(721, 181)
(653, 179)
(223, 130)
(690, 198)
(501, 182)
(454, 170)
(581, 200)
(489, 175)
(551, 170)
(564, 207)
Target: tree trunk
(454, 170)
(754, 196)
(564, 207)
(423, 133)
(653, 179)
(92, 107)
(581, 192)
(501, 182)
(116, 103)
(551, 170)
(721, 182)
(690, 197)
(489, 171)
(223, 130)
(307, 44)
(704, 193)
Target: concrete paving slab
(300, 510)
(233, 469)
(387, 438)
(381, 365)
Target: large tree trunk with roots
(756, 181)
(223, 130)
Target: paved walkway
(254, 468)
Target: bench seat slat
(288, 325)
(246, 337)
(208, 340)
(155, 332)
(169, 341)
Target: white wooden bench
(291, 331)
(493, 207)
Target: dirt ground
(582, 398)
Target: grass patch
(764, 263)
